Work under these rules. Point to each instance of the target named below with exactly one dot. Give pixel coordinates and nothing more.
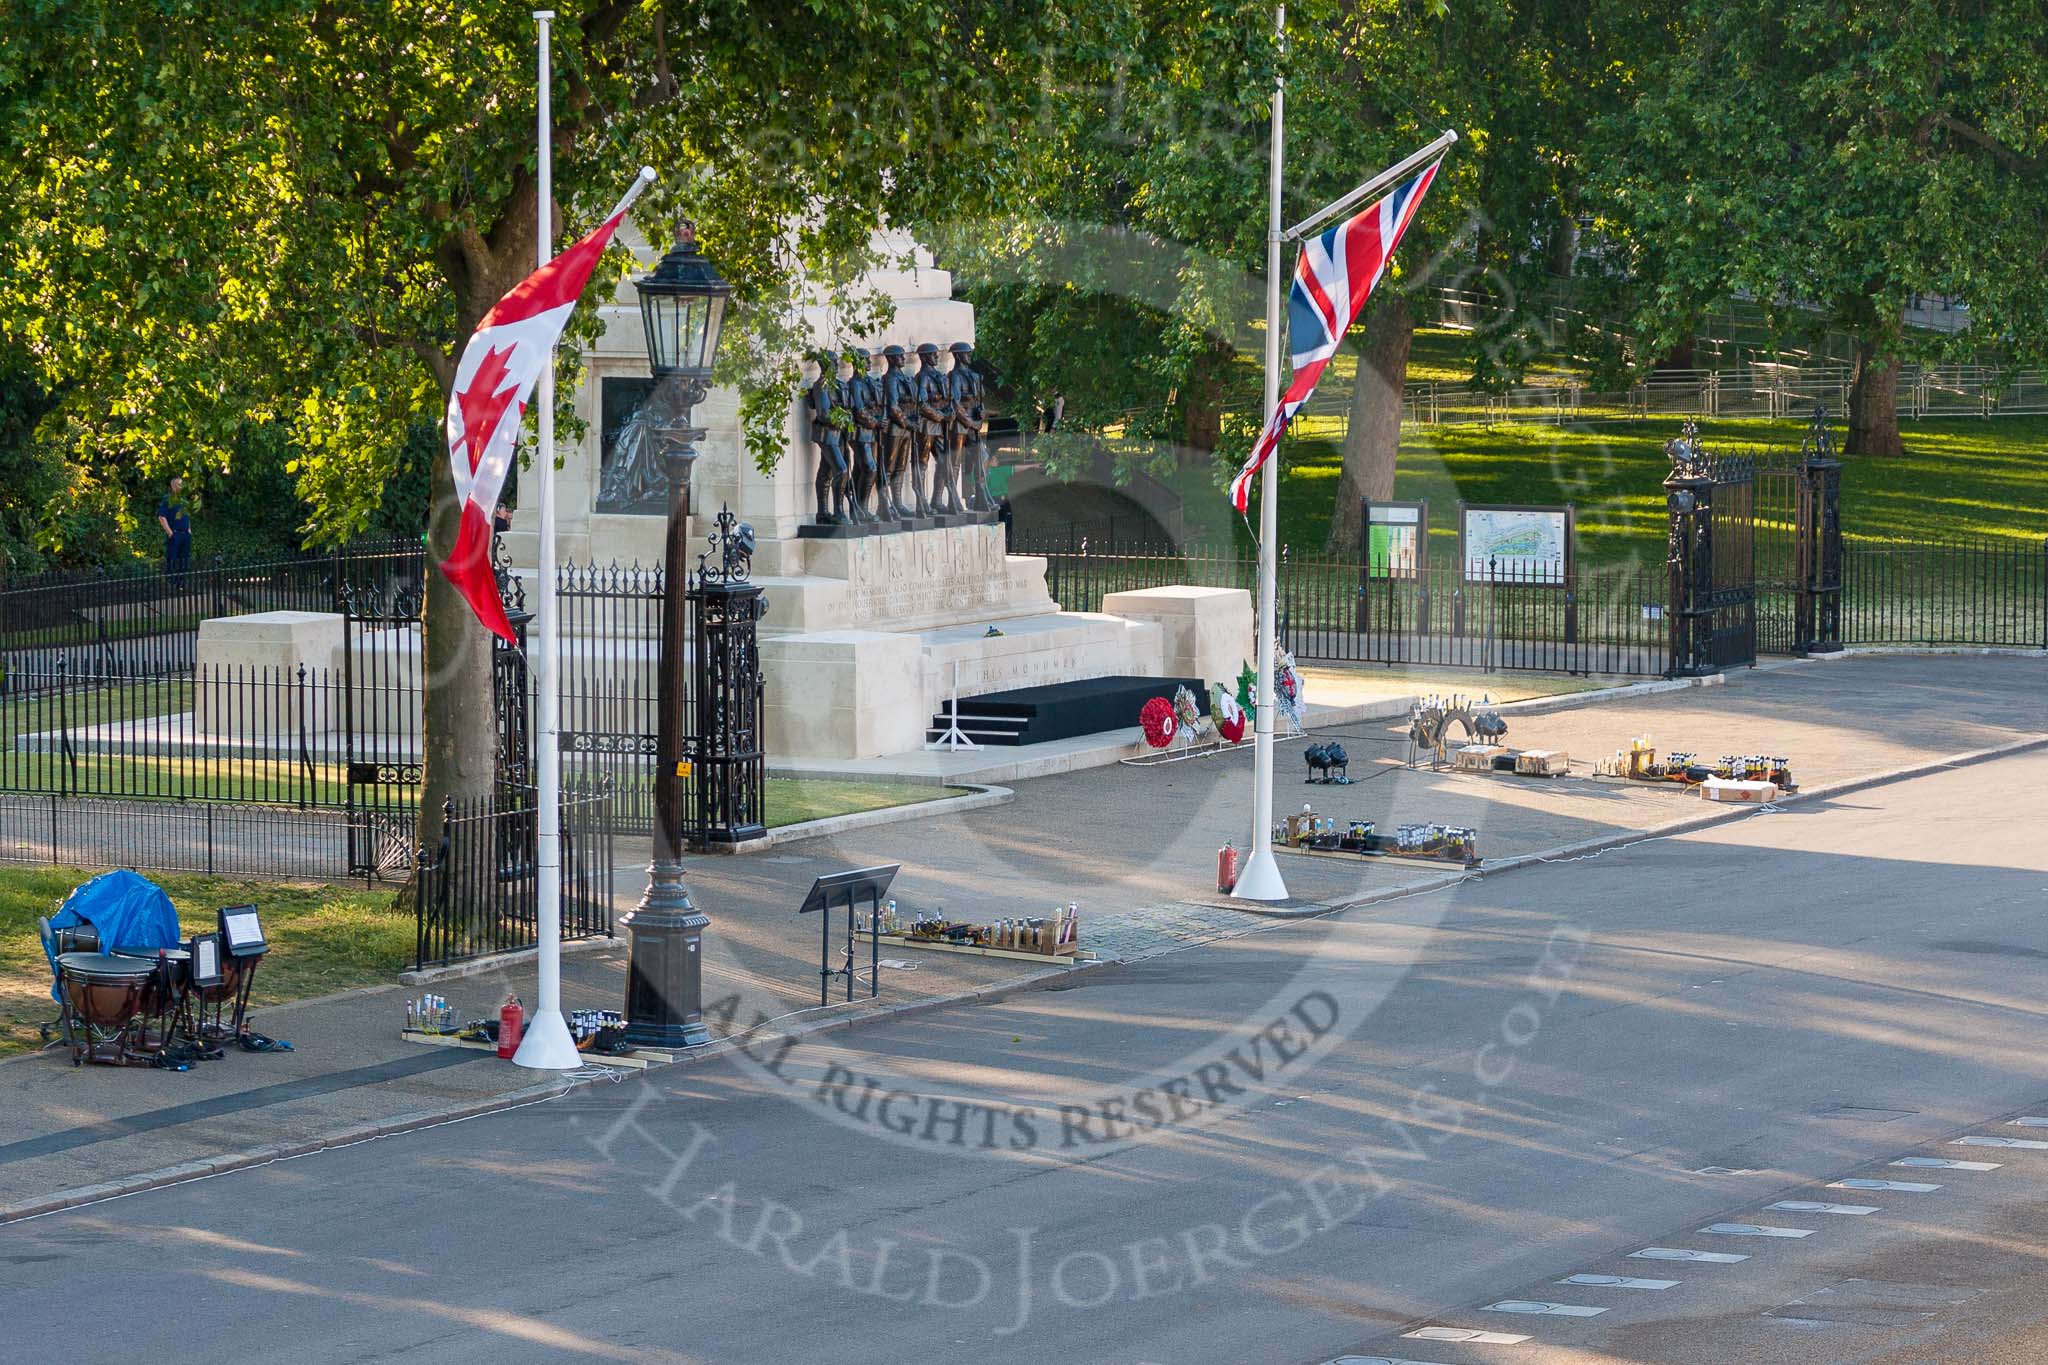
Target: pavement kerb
(550, 1089)
(1570, 701)
(1931, 651)
(979, 795)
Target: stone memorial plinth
(1207, 632)
(867, 633)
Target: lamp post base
(665, 974)
(1260, 880)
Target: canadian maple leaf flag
(499, 368)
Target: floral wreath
(1159, 722)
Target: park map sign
(1515, 544)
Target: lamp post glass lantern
(682, 306)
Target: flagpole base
(546, 1044)
(1260, 879)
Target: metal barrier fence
(479, 889)
(145, 623)
(1761, 392)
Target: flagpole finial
(647, 175)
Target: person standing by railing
(175, 518)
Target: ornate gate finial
(1688, 458)
(1820, 442)
(732, 541)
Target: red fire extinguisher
(1226, 867)
(511, 1023)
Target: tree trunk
(1202, 413)
(1680, 356)
(1373, 439)
(1873, 402)
(459, 724)
(459, 733)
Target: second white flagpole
(547, 1044)
(1260, 880)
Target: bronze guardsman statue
(935, 411)
(970, 416)
(899, 400)
(864, 401)
(822, 405)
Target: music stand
(869, 882)
(243, 946)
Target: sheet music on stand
(850, 887)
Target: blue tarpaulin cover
(128, 909)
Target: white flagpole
(1260, 880)
(547, 1044)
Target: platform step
(1035, 715)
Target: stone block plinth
(1207, 631)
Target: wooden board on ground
(636, 1060)
(1067, 956)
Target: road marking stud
(1861, 1183)
(1618, 1282)
(2030, 1144)
(1559, 1310)
(1942, 1163)
(1471, 1336)
(1814, 1206)
(1755, 1230)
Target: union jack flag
(1331, 282)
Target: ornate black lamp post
(683, 306)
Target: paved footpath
(1134, 847)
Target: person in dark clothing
(176, 520)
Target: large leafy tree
(1135, 294)
(1376, 79)
(1832, 159)
(292, 212)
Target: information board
(1514, 544)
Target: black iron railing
(145, 623)
(479, 887)
(1498, 615)
(1965, 592)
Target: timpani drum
(103, 993)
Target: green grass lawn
(1959, 477)
(792, 800)
(168, 775)
(322, 938)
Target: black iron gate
(380, 701)
(382, 722)
(724, 745)
(1798, 521)
(1711, 502)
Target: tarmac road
(1292, 1147)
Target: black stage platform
(1033, 715)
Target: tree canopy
(1134, 289)
(290, 213)
(1831, 160)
